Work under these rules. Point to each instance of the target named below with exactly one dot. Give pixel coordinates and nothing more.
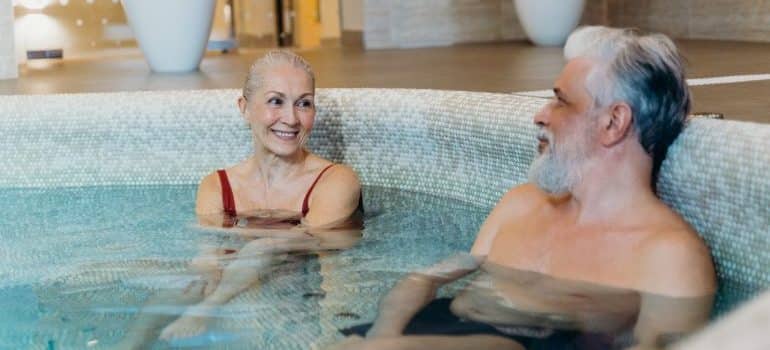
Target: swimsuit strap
(228, 201)
(305, 207)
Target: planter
(171, 33)
(549, 22)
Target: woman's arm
(208, 202)
(334, 199)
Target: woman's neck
(269, 166)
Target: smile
(285, 135)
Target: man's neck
(612, 184)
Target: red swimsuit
(228, 200)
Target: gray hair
(255, 78)
(645, 71)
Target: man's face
(566, 132)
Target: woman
(289, 197)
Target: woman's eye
(305, 104)
(275, 101)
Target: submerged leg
(144, 328)
(252, 262)
(209, 265)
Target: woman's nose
(290, 116)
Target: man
(586, 247)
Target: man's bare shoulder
(517, 203)
(523, 199)
(673, 259)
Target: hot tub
(97, 194)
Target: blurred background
(63, 46)
(83, 28)
(88, 28)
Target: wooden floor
(502, 67)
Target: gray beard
(553, 175)
(560, 167)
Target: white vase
(171, 33)
(549, 22)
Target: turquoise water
(77, 263)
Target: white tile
(6, 10)
(8, 68)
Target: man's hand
(350, 343)
(417, 290)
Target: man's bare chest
(602, 255)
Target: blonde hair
(255, 78)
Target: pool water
(76, 264)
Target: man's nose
(541, 117)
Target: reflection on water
(536, 310)
(603, 316)
(77, 266)
(269, 240)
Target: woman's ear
(242, 102)
(616, 124)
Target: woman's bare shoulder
(344, 174)
(337, 190)
(208, 200)
(212, 182)
(339, 175)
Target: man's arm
(416, 290)
(677, 284)
(664, 320)
(421, 342)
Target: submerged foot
(186, 326)
(144, 329)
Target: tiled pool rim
(471, 146)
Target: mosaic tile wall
(470, 146)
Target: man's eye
(275, 101)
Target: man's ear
(616, 124)
(242, 104)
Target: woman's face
(281, 112)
